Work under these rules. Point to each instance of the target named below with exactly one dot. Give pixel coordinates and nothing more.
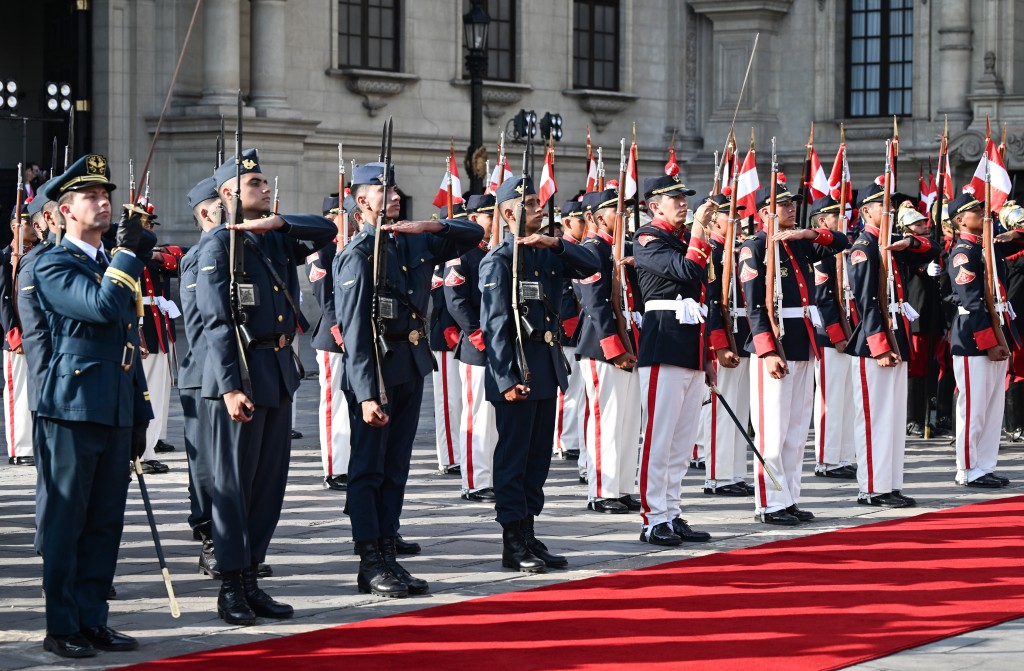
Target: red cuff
(14, 338)
(824, 238)
(878, 344)
(451, 336)
(336, 332)
(764, 343)
(174, 251)
(698, 251)
(570, 326)
(477, 338)
(719, 339)
(612, 346)
(926, 244)
(835, 332)
(985, 338)
(166, 260)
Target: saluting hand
(257, 226)
(899, 246)
(795, 234)
(414, 227)
(540, 240)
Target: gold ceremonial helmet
(1011, 215)
(907, 216)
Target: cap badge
(248, 164)
(96, 164)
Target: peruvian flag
(840, 173)
(818, 185)
(672, 167)
(631, 176)
(592, 176)
(1001, 184)
(497, 177)
(548, 187)
(450, 175)
(947, 185)
(747, 185)
(929, 191)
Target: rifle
(729, 257)
(636, 165)
(496, 225)
(623, 321)
(886, 281)
(600, 169)
(242, 294)
(220, 145)
(19, 235)
(450, 197)
(383, 307)
(773, 264)
(519, 296)
(551, 199)
(993, 292)
(277, 193)
(131, 181)
(342, 212)
(53, 159)
(842, 287)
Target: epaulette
(864, 242)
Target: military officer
(92, 395)
(833, 412)
(524, 400)
(979, 356)
(781, 373)
(571, 408)
(726, 462)
(384, 420)
(249, 398)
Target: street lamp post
(474, 32)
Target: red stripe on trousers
(329, 419)
(712, 443)
(867, 422)
(469, 427)
(760, 432)
(967, 420)
(824, 411)
(447, 422)
(561, 415)
(597, 424)
(9, 356)
(652, 393)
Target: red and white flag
(840, 173)
(947, 185)
(929, 191)
(818, 185)
(451, 175)
(748, 184)
(592, 176)
(672, 167)
(496, 177)
(548, 187)
(1000, 179)
(631, 176)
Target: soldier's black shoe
(454, 469)
(911, 502)
(338, 483)
(388, 554)
(802, 515)
(154, 467)
(207, 561)
(264, 571)
(660, 534)
(847, 472)
(232, 606)
(163, 446)
(515, 554)
(583, 480)
(486, 494)
(74, 646)
(539, 550)
(682, 529)
(985, 482)
(197, 534)
(374, 576)
(779, 517)
(111, 593)
(105, 638)
(296, 435)
(1001, 479)
(727, 490)
(944, 424)
(405, 547)
(607, 506)
(261, 602)
(22, 461)
(915, 429)
(747, 486)
(632, 505)
(882, 501)
(699, 464)
(571, 455)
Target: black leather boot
(374, 576)
(260, 601)
(208, 561)
(231, 604)
(515, 554)
(539, 550)
(389, 554)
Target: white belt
(799, 313)
(688, 311)
(147, 300)
(906, 308)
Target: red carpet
(819, 602)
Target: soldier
(92, 395)
(833, 413)
(571, 408)
(608, 370)
(17, 415)
(979, 358)
(524, 405)
(880, 386)
(1011, 216)
(726, 463)
(673, 278)
(783, 381)
(477, 432)
(383, 430)
(250, 435)
(335, 436)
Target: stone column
(267, 55)
(221, 52)
(954, 80)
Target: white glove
(934, 269)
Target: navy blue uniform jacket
(972, 333)
(35, 333)
(716, 322)
(321, 280)
(462, 296)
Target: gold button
(537, 273)
(280, 318)
(277, 349)
(78, 372)
(414, 315)
(129, 327)
(409, 292)
(277, 288)
(548, 318)
(404, 269)
(422, 260)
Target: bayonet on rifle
(383, 305)
(242, 294)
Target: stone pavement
(314, 568)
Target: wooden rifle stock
(993, 293)
(729, 262)
(496, 225)
(773, 265)
(840, 287)
(884, 267)
(623, 325)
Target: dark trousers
(200, 460)
(522, 457)
(250, 471)
(378, 466)
(37, 441)
(85, 468)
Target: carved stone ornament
(602, 106)
(375, 86)
(498, 96)
(967, 147)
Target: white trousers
(447, 408)
(726, 460)
(703, 442)
(670, 398)
(833, 412)
(335, 434)
(17, 416)
(781, 417)
(613, 430)
(979, 414)
(568, 415)
(880, 399)
(156, 368)
(478, 433)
